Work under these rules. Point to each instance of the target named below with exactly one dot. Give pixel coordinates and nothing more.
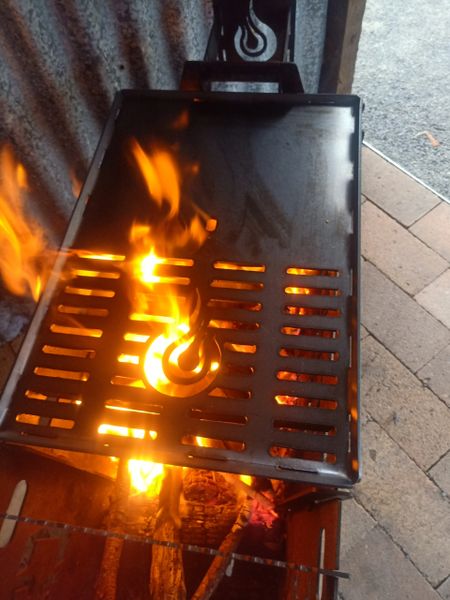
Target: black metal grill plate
(280, 173)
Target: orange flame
(193, 362)
(163, 182)
(181, 351)
(160, 175)
(76, 184)
(22, 241)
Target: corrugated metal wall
(61, 62)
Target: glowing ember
(146, 476)
(21, 239)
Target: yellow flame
(22, 241)
(107, 429)
(146, 476)
(247, 479)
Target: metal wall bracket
(250, 41)
(201, 75)
(252, 31)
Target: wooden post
(344, 23)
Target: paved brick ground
(396, 531)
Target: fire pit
(203, 308)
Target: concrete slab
(393, 191)
(436, 298)
(412, 415)
(395, 319)
(434, 229)
(397, 253)
(403, 500)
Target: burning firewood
(220, 564)
(106, 584)
(210, 505)
(166, 571)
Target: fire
(146, 476)
(160, 175)
(22, 240)
(182, 359)
(163, 180)
(107, 429)
(247, 479)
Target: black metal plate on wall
(280, 174)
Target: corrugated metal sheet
(61, 62)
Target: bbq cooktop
(276, 280)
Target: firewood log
(166, 570)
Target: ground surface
(403, 74)
(396, 531)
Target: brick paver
(398, 322)
(436, 374)
(403, 500)
(380, 568)
(434, 229)
(397, 253)
(394, 191)
(444, 589)
(436, 298)
(396, 537)
(412, 415)
(441, 473)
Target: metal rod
(185, 547)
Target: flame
(107, 429)
(181, 362)
(160, 175)
(76, 184)
(22, 241)
(163, 179)
(247, 479)
(146, 476)
(181, 358)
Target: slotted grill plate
(278, 281)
